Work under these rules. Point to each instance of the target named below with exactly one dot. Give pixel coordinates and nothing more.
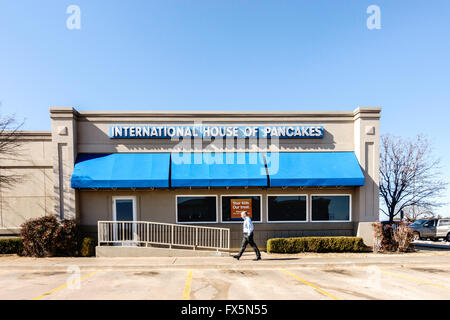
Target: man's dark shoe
(236, 257)
(257, 258)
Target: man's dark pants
(248, 239)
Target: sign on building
(239, 205)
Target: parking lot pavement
(236, 281)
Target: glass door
(124, 214)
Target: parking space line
(311, 285)
(187, 287)
(66, 285)
(414, 279)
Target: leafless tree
(413, 213)
(9, 147)
(409, 175)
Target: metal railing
(144, 233)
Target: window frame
(194, 196)
(242, 195)
(288, 195)
(134, 200)
(333, 195)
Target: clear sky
(231, 55)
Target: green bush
(46, 237)
(316, 244)
(10, 245)
(87, 248)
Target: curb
(237, 266)
(431, 245)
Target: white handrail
(144, 233)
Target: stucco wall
(32, 195)
(160, 206)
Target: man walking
(248, 237)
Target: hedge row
(11, 245)
(316, 244)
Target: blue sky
(231, 55)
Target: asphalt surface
(301, 277)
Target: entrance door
(124, 211)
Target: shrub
(316, 244)
(68, 238)
(87, 248)
(383, 237)
(10, 246)
(395, 237)
(403, 236)
(46, 237)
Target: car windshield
(419, 222)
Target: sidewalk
(269, 261)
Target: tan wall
(32, 195)
(160, 206)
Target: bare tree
(409, 175)
(413, 213)
(9, 146)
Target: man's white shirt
(248, 225)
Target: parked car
(432, 229)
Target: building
(297, 173)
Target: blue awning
(121, 170)
(218, 170)
(314, 169)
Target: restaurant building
(297, 173)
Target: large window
(286, 208)
(197, 209)
(233, 205)
(330, 208)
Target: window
(286, 208)
(330, 208)
(233, 205)
(197, 209)
(124, 208)
(444, 223)
(430, 223)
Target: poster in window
(239, 205)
